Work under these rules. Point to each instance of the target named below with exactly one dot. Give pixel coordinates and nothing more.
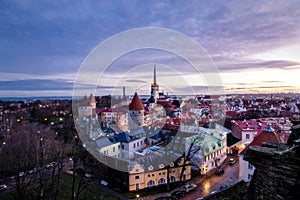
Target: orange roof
(136, 103)
(261, 137)
(92, 99)
(84, 101)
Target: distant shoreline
(30, 98)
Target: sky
(254, 45)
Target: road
(207, 185)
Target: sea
(34, 98)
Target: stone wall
(277, 173)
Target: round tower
(135, 113)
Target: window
(118, 147)
(133, 145)
(250, 166)
(172, 179)
(137, 177)
(149, 175)
(114, 149)
(249, 177)
(247, 136)
(161, 181)
(159, 173)
(122, 146)
(150, 183)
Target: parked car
(213, 192)
(21, 174)
(3, 187)
(48, 166)
(219, 171)
(231, 161)
(178, 194)
(103, 182)
(223, 187)
(190, 187)
(87, 175)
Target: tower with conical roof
(154, 88)
(135, 113)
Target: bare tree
(193, 145)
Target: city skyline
(254, 45)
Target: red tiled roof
(264, 136)
(231, 113)
(84, 102)
(164, 103)
(136, 103)
(92, 99)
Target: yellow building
(142, 176)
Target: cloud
(36, 84)
(136, 81)
(257, 64)
(49, 38)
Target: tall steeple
(154, 77)
(154, 88)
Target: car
(223, 187)
(199, 198)
(87, 175)
(219, 171)
(3, 187)
(231, 161)
(53, 163)
(11, 178)
(21, 174)
(190, 187)
(178, 194)
(213, 192)
(48, 166)
(103, 182)
(30, 171)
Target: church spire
(154, 77)
(154, 88)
